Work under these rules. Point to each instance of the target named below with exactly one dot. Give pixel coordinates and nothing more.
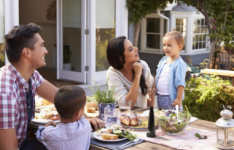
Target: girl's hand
(137, 67)
(177, 102)
(153, 90)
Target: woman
(130, 76)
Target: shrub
(205, 97)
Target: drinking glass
(110, 117)
(125, 108)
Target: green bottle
(151, 124)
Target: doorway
(63, 63)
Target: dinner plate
(99, 137)
(43, 121)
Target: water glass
(125, 108)
(110, 117)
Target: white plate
(43, 121)
(146, 113)
(99, 137)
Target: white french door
(71, 40)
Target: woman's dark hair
(18, 38)
(115, 57)
(68, 100)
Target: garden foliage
(206, 95)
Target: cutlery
(134, 141)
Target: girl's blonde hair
(177, 35)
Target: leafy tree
(219, 18)
(138, 9)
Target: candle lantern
(225, 130)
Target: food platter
(44, 111)
(99, 137)
(142, 124)
(43, 121)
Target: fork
(139, 123)
(134, 141)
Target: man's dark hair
(68, 100)
(18, 38)
(115, 56)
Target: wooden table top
(201, 124)
(218, 72)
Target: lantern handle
(224, 107)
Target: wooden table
(228, 73)
(201, 124)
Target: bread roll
(134, 121)
(92, 104)
(91, 110)
(110, 137)
(48, 115)
(125, 120)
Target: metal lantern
(225, 130)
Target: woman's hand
(137, 67)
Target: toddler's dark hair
(68, 100)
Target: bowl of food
(171, 123)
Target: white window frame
(206, 40)
(186, 34)
(11, 13)
(144, 34)
(187, 16)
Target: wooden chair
(224, 60)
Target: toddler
(74, 131)
(171, 71)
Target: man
(19, 83)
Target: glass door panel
(105, 30)
(71, 40)
(72, 35)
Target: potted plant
(66, 58)
(104, 98)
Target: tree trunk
(137, 28)
(211, 55)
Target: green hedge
(206, 95)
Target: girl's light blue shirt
(176, 77)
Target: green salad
(173, 125)
(123, 133)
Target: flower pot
(67, 66)
(101, 107)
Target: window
(181, 27)
(153, 33)
(199, 34)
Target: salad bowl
(172, 123)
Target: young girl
(170, 77)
